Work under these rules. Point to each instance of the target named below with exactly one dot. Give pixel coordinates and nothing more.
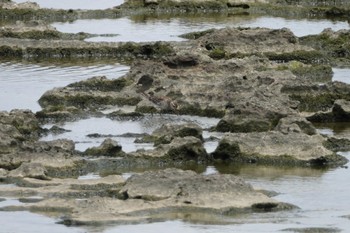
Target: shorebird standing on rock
(165, 103)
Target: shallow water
(116, 128)
(322, 195)
(341, 75)
(26, 222)
(22, 84)
(76, 4)
(142, 30)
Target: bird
(165, 103)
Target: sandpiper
(165, 103)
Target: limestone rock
(277, 148)
(23, 5)
(59, 145)
(160, 195)
(32, 170)
(341, 110)
(167, 132)
(109, 147)
(295, 124)
(179, 151)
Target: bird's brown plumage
(163, 102)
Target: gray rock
(167, 132)
(337, 144)
(109, 147)
(277, 148)
(295, 124)
(3, 173)
(156, 195)
(31, 170)
(341, 110)
(179, 151)
(59, 145)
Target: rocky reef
(264, 86)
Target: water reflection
(26, 222)
(23, 83)
(76, 4)
(339, 129)
(140, 29)
(116, 128)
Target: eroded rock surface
(274, 147)
(231, 74)
(155, 195)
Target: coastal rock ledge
(160, 195)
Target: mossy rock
(196, 35)
(246, 126)
(188, 152)
(7, 51)
(317, 102)
(127, 51)
(335, 47)
(337, 144)
(289, 161)
(85, 101)
(108, 147)
(48, 34)
(146, 109)
(100, 84)
(226, 151)
(180, 6)
(197, 111)
(307, 57)
(217, 54)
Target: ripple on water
(22, 84)
(141, 30)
